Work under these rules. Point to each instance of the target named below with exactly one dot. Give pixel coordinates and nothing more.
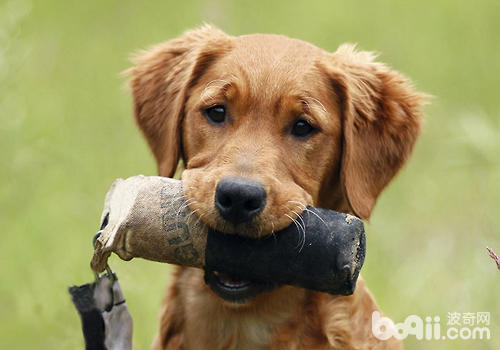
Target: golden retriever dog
(266, 125)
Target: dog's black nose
(239, 200)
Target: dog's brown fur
(368, 120)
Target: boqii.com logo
(467, 325)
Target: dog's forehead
(268, 54)
(274, 46)
(269, 63)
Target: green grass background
(66, 132)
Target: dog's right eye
(216, 114)
(302, 129)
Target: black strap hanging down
(106, 320)
(91, 317)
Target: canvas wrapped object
(148, 217)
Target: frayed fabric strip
(106, 320)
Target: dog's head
(266, 125)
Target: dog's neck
(237, 327)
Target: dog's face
(260, 133)
(267, 125)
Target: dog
(265, 125)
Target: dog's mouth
(235, 289)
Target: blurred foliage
(66, 132)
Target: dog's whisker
(180, 195)
(300, 218)
(305, 209)
(299, 230)
(184, 206)
(219, 226)
(319, 217)
(293, 220)
(302, 205)
(174, 201)
(186, 203)
(204, 213)
(303, 238)
(272, 231)
(301, 210)
(303, 227)
(190, 215)
(200, 217)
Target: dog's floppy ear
(159, 83)
(381, 122)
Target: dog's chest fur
(211, 324)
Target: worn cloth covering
(147, 217)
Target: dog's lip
(235, 289)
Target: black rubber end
(327, 256)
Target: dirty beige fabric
(118, 322)
(148, 218)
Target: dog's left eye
(216, 114)
(301, 128)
